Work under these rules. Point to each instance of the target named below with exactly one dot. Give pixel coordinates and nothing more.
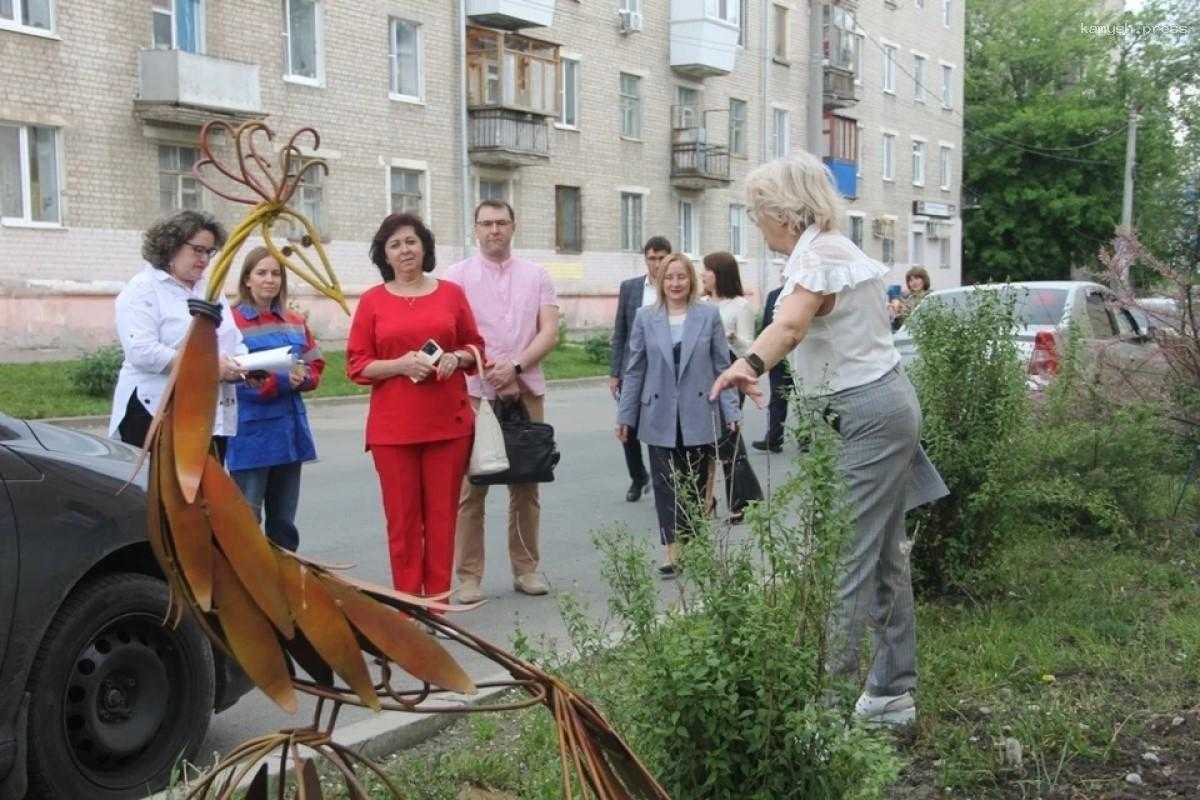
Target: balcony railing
(696, 165)
(840, 89)
(502, 137)
(177, 86)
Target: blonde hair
(693, 292)
(250, 262)
(797, 191)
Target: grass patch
(1087, 656)
(44, 389)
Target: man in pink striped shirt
(516, 309)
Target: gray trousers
(887, 474)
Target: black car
(98, 699)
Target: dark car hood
(44, 442)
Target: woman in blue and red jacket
(273, 435)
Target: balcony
(845, 176)
(841, 148)
(704, 37)
(695, 165)
(182, 88)
(501, 137)
(512, 71)
(840, 90)
(511, 15)
(839, 47)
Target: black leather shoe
(763, 444)
(636, 490)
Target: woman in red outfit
(420, 425)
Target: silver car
(1045, 310)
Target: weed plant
(96, 373)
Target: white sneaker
(892, 711)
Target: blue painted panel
(845, 176)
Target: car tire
(116, 699)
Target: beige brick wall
(84, 82)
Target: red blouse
(387, 326)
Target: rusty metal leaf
(195, 404)
(251, 637)
(244, 545)
(308, 782)
(399, 639)
(258, 786)
(190, 534)
(319, 617)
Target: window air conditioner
(877, 228)
(629, 21)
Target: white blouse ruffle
(828, 264)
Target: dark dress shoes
(636, 490)
(763, 444)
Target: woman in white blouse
(152, 319)
(832, 321)
(723, 288)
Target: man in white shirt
(634, 294)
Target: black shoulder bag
(532, 454)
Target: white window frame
(920, 63)
(945, 166)
(946, 252)
(394, 61)
(919, 159)
(507, 194)
(409, 165)
(851, 216)
(888, 76)
(860, 39)
(630, 241)
(173, 15)
(686, 211)
(917, 233)
(17, 26)
(781, 149)
(733, 8)
(632, 5)
(743, 128)
(313, 178)
(743, 22)
(26, 219)
(635, 103)
(947, 14)
(887, 167)
(737, 229)
(562, 123)
(785, 56)
(318, 43)
(179, 175)
(947, 70)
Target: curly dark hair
(392, 223)
(163, 239)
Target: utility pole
(1130, 160)
(816, 77)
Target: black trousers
(633, 458)
(679, 476)
(136, 424)
(780, 381)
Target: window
(631, 106)
(947, 78)
(743, 22)
(889, 156)
(568, 219)
(889, 68)
(687, 101)
(944, 252)
(889, 250)
(568, 115)
(737, 127)
(632, 5)
(945, 164)
(493, 190)
(919, 78)
(860, 39)
(737, 229)
(177, 186)
(858, 153)
(406, 191)
(177, 25)
(917, 250)
(780, 146)
(35, 14)
(946, 13)
(631, 222)
(918, 162)
(405, 54)
(687, 227)
(309, 200)
(724, 10)
(1099, 318)
(856, 231)
(302, 40)
(29, 188)
(513, 71)
(781, 34)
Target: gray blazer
(653, 397)
(629, 300)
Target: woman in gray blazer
(677, 348)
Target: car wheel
(117, 699)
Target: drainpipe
(764, 114)
(464, 154)
(816, 77)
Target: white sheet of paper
(278, 359)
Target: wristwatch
(517, 367)
(755, 363)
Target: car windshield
(1033, 305)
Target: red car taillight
(1044, 361)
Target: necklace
(410, 299)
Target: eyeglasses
(494, 223)
(201, 251)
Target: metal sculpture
(277, 613)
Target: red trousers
(420, 485)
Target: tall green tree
(1049, 85)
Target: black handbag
(532, 454)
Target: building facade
(602, 124)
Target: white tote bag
(488, 456)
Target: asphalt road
(341, 520)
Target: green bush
(598, 347)
(970, 380)
(726, 695)
(96, 374)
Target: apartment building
(602, 123)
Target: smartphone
(429, 352)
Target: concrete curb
(340, 400)
(387, 733)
